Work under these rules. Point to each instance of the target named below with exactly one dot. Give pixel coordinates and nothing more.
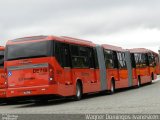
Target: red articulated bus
(145, 65)
(49, 65)
(2, 74)
(44, 66)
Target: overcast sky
(126, 23)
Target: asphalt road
(142, 100)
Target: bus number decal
(40, 70)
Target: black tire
(79, 92)
(152, 78)
(11, 102)
(41, 101)
(112, 90)
(139, 83)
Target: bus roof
(56, 38)
(140, 50)
(112, 47)
(77, 41)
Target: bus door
(116, 63)
(83, 67)
(137, 65)
(111, 66)
(152, 59)
(92, 71)
(62, 51)
(123, 72)
(133, 64)
(148, 56)
(67, 65)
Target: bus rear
(2, 74)
(145, 65)
(29, 67)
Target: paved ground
(142, 100)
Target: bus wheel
(112, 90)
(152, 78)
(139, 83)
(41, 101)
(11, 102)
(79, 93)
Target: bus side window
(133, 63)
(115, 59)
(62, 54)
(136, 59)
(96, 64)
(147, 59)
(156, 60)
(1, 60)
(108, 56)
(121, 60)
(66, 55)
(80, 56)
(152, 61)
(124, 60)
(91, 58)
(58, 52)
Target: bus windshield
(1, 58)
(29, 50)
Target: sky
(125, 23)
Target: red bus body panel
(2, 79)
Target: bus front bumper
(32, 91)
